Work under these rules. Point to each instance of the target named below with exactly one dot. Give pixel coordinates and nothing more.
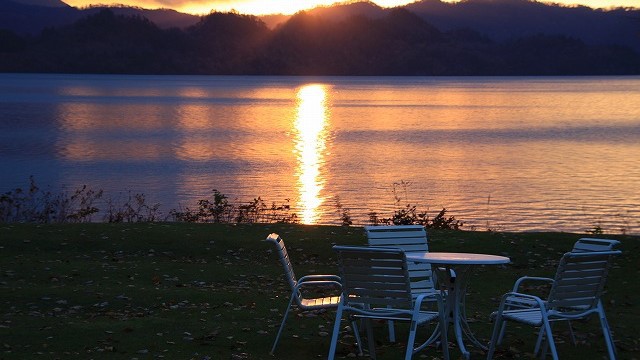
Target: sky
(263, 7)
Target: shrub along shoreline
(216, 291)
(87, 205)
(41, 206)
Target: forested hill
(30, 17)
(400, 42)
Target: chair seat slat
(531, 317)
(394, 314)
(313, 303)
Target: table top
(457, 258)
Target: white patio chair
(376, 285)
(410, 238)
(305, 283)
(582, 245)
(575, 294)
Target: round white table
(461, 264)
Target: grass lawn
(216, 291)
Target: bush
(220, 210)
(44, 207)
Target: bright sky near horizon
(262, 7)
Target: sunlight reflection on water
(310, 143)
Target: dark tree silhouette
(398, 43)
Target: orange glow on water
(87, 149)
(310, 145)
(474, 147)
(84, 117)
(81, 122)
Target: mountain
(503, 20)
(274, 20)
(336, 12)
(473, 37)
(400, 43)
(164, 18)
(25, 18)
(342, 11)
(30, 17)
(499, 20)
(47, 3)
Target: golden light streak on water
(310, 126)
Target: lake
(500, 153)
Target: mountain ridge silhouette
(352, 39)
(499, 20)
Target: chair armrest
(417, 306)
(420, 298)
(509, 297)
(516, 286)
(314, 283)
(524, 302)
(319, 277)
(514, 302)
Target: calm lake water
(512, 154)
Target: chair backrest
(284, 259)
(374, 277)
(592, 244)
(580, 280)
(410, 238)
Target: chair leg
(571, 334)
(550, 343)
(412, 338)
(502, 330)
(392, 331)
(606, 332)
(370, 338)
(356, 333)
(336, 332)
(284, 320)
(496, 336)
(539, 342)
